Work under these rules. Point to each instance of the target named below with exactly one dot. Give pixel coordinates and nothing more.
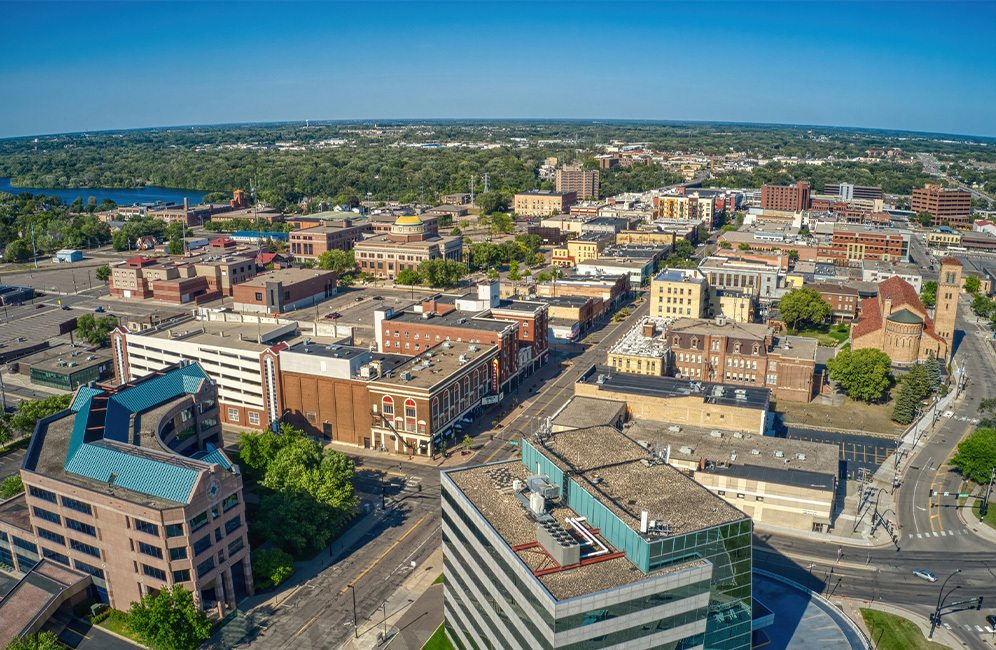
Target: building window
(233, 414)
(174, 530)
(89, 568)
(183, 575)
(50, 536)
(230, 502)
(58, 557)
(39, 493)
(721, 493)
(199, 521)
(146, 527)
(178, 553)
(254, 418)
(740, 495)
(47, 516)
(235, 546)
(388, 405)
(205, 567)
(84, 548)
(759, 498)
(409, 408)
(80, 527)
(148, 549)
(153, 572)
(217, 534)
(203, 544)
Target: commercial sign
(494, 376)
(489, 399)
(68, 326)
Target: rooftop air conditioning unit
(715, 433)
(779, 454)
(686, 450)
(674, 428)
(463, 358)
(406, 375)
(738, 434)
(800, 456)
(755, 452)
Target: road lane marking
(305, 626)
(374, 563)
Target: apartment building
(285, 290)
(843, 300)
(539, 553)
(178, 281)
(947, 207)
(679, 292)
(848, 191)
(543, 203)
(854, 243)
(127, 488)
(944, 237)
(574, 178)
(785, 197)
(752, 275)
(642, 350)
(585, 247)
(333, 235)
(692, 207)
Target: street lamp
(936, 618)
(356, 632)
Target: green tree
(169, 620)
(539, 259)
(492, 274)
(296, 521)
(96, 330)
(176, 246)
(924, 218)
(12, 486)
(501, 223)
(30, 411)
(793, 255)
(933, 368)
(513, 270)
(744, 246)
(683, 248)
(41, 641)
(864, 374)
(928, 294)
(336, 260)
(17, 251)
(982, 306)
(440, 273)
(217, 197)
(543, 277)
(257, 450)
(805, 305)
(918, 379)
(271, 566)
(120, 241)
(972, 284)
(491, 202)
(456, 232)
(302, 464)
(467, 442)
(531, 242)
(976, 455)
(103, 273)
(407, 277)
(725, 245)
(905, 409)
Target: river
(120, 196)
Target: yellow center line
(374, 563)
(305, 626)
(934, 482)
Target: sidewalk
(414, 612)
(852, 608)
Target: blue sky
(91, 66)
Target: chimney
(648, 330)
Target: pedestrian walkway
(852, 609)
(414, 612)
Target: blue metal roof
(134, 471)
(212, 456)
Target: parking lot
(856, 452)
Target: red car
(334, 314)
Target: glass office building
(589, 541)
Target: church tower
(946, 309)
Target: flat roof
(240, 336)
(437, 364)
(324, 349)
(60, 362)
(286, 276)
(564, 301)
(385, 240)
(583, 411)
(677, 275)
(731, 328)
(544, 193)
(465, 320)
(488, 487)
(671, 388)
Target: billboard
(68, 326)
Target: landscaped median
(438, 640)
(891, 632)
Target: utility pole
(33, 249)
(485, 183)
(983, 507)
(472, 189)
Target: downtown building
(129, 493)
(577, 179)
(792, 198)
(947, 207)
(408, 244)
(592, 541)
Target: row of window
(233, 416)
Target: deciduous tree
(803, 305)
(96, 330)
(41, 641)
(972, 284)
(103, 273)
(864, 374)
(976, 455)
(407, 277)
(336, 260)
(169, 620)
(928, 294)
(271, 566)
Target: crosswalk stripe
(911, 535)
(978, 629)
(935, 533)
(919, 536)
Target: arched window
(435, 411)
(695, 343)
(676, 341)
(755, 348)
(388, 405)
(736, 348)
(410, 408)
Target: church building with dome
(408, 244)
(897, 323)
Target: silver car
(926, 575)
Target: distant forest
(374, 161)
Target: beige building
(642, 350)
(735, 305)
(128, 488)
(699, 403)
(686, 206)
(574, 178)
(943, 238)
(586, 247)
(543, 203)
(679, 293)
(791, 483)
(405, 247)
(647, 237)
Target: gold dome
(408, 220)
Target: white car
(926, 575)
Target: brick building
(543, 203)
(285, 290)
(182, 280)
(843, 300)
(574, 178)
(852, 243)
(407, 245)
(311, 243)
(382, 223)
(785, 197)
(953, 206)
(586, 247)
(610, 289)
(127, 487)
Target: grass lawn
(990, 519)
(827, 335)
(439, 580)
(438, 641)
(890, 632)
(118, 622)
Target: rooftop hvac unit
(429, 355)
(686, 450)
(643, 443)
(447, 345)
(462, 321)
(800, 456)
(472, 348)
(674, 428)
(601, 379)
(740, 394)
(779, 454)
(426, 315)
(463, 358)
(738, 434)
(755, 452)
(406, 375)
(716, 433)
(72, 364)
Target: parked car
(359, 299)
(378, 297)
(39, 305)
(65, 308)
(99, 310)
(926, 575)
(333, 315)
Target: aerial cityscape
(497, 325)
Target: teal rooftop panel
(141, 474)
